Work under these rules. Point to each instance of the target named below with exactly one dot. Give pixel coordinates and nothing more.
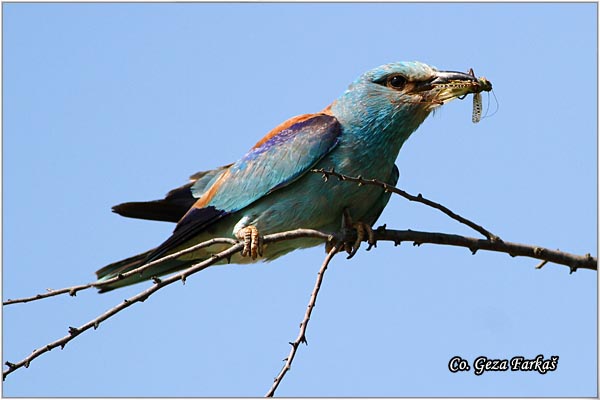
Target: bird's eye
(396, 81)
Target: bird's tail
(131, 263)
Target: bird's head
(394, 99)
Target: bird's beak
(448, 85)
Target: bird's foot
(363, 231)
(253, 242)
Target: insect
(481, 85)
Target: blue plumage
(270, 189)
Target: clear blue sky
(105, 103)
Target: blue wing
(275, 162)
(281, 157)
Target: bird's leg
(363, 231)
(253, 243)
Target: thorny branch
(418, 198)
(158, 284)
(304, 324)
(492, 243)
(573, 261)
(140, 270)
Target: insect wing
(476, 108)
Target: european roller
(271, 189)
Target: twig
(158, 284)
(304, 324)
(419, 199)
(49, 293)
(572, 261)
(74, 289)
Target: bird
(272, 189)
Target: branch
(304, 324)
(418, 198)
(573, 261)
(158, 284)
(140, 270)
(49, 293)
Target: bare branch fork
(158, 284)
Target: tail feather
(157, 210)
(131, 263)
(176, 203)
(171, 209)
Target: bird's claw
(253, 242)
(363, 231)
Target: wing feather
(276, 161)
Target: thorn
(540, 265)
(156, 280)
(119, 276)
(572, 268)
(72, 292)
(26, 365)
(96, 325)
(48, 347)
(62, 346)
(9, 364)
(473, 250)
(73, 331)
(418, 244)
(183, 278)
